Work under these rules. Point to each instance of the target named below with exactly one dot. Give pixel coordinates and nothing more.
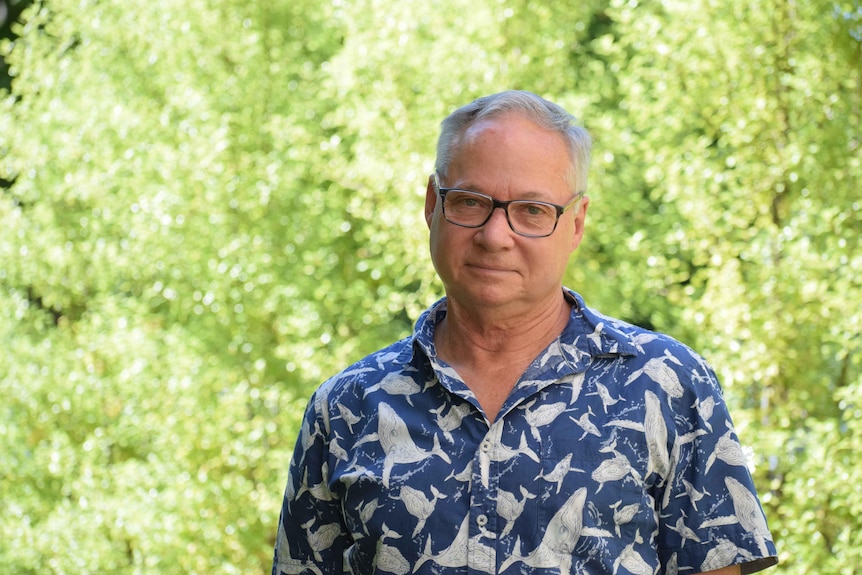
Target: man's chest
(437, 475)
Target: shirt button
(486, 446)
(482, 520)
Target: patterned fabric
(614, 454)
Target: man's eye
(467, 201)
(533, 210)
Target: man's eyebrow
(528, 195)
(534, 195)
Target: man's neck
(492, 336)
(491, 351)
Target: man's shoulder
(376, 370)
(637, 342)
(374, 366)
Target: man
(518, 431)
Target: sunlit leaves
(215, 205)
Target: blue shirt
(614, 454)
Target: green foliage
(215, 205)
(155, 359)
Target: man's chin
(488, 295)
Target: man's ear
(580, 219)
(430, 200)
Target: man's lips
(489, 268)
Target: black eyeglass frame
(560, 210)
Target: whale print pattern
(614, 455)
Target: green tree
(158, 291)
(214, 205)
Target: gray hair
(536, 109)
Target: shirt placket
(481, 546)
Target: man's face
(509, 158)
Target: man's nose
(497, 228)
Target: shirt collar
(588, 334)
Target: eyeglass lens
(525, 217)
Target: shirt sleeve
(710, 514)
(311, 533)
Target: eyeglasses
(526, 217)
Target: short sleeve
(710, 513)
(311, 534)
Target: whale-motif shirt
(613, 454)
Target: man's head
(535, 108)
(514, 147)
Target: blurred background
(208, 207)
